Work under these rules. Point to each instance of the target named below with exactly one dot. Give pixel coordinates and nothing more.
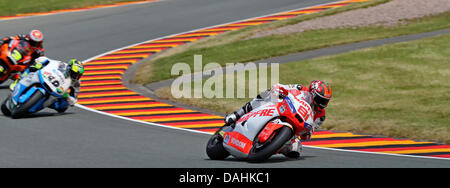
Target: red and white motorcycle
(261, 133)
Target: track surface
(84, 139)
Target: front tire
(262, 151)
(5, 109)
(61, 111)
(22, 110)
(215, 149)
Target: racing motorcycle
(261, 133)
(11, 59)
(38, 90)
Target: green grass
(271, 46)
(399, 90)
(14, 7)
(246, 32)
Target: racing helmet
(36, 38)
(75, 69)
(320, 92)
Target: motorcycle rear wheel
(262, 151)
(22, 110)
(215, 149)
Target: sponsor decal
(226, 139)
(282, 109)
(304, 110)
(46, 74)
(60, 90)
(291, 106)
(260, 113)
(238, 141)
(307, 126)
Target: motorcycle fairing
(257, 118)
(297, 112)
(22, 86)
(8, 63)
(25, 89)
(268, 131)
(19, 52)
(50, 81)
(52, 77)
(237, 141)
(240, 141)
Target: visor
(76, 72)
(36, 44)
(322, 102)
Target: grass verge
(399, 90)
(14, 7)
(246, 32)
(271, 46)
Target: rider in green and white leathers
(74, 70)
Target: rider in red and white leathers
(317, 95)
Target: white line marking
(138, 121)
(201, 132)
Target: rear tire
(215, 149)
(262, 151)
(22, 110)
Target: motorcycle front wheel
(22, 109)
(5, 109)
(262, 151)
(3, 71)
(214, 148)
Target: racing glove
(71, 100)
(318, 122)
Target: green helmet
(75, 69)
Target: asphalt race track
(82, 138)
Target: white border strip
(201, 132)
(139, 121)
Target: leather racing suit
(293, 147)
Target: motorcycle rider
(74, 69)
(318, 94)
(24, 49)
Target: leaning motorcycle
(38, 90)
(261, 133)
(10, 60)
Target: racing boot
(292, 148)
(60, 105)
(232, 118)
